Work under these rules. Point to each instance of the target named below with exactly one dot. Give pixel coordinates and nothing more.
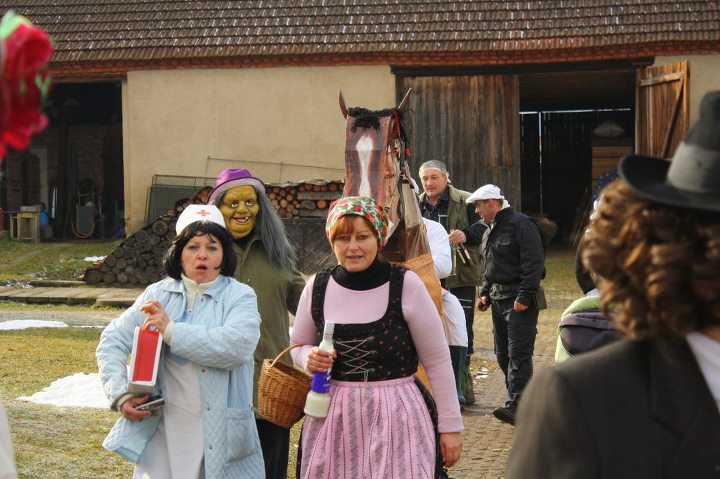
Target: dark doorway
(531, 129)
(78, 161)
(573, 156)
(575, 126)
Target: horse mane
(365, 118)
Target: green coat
(278, 292)
(468, 274)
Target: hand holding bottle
(320, 361)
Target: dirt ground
(487, 441)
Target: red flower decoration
(24, 51)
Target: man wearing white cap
(514, 266)
(446, 204)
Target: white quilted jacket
(221, 340)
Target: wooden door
(471, 123)
(662, 113)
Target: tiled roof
(142, 30)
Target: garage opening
(74, 169)
(574, 127)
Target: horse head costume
(376, 152)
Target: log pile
(138, 259)
(307, 199)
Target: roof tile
(147, 30)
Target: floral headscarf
(368, 208)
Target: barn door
(661, 109)
(471, 123)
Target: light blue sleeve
(229, 338)
(116, 344)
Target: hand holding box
(144, 360)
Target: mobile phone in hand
(151, 405)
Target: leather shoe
(505, 414)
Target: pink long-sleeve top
(345, 306)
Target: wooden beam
(668, 77)
(673, 117)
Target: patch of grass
(53, 442)
(54, 307)
(33, 358)
(21, 261)
(559, 282)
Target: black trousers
(466, 296)
(275, 444)
(514, 334)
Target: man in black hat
(646, 406)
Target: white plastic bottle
(317, 403)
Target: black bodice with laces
(377, 351)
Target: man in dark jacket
(446, 204)
(514, 266)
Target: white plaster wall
(283, 124)
(704, 77)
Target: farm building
(153, 98)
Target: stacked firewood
(138, 259)
(284, 198)
(307, 199)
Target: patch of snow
(78, 390)
(30, 323)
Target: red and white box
(144, 360)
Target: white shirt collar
(707, 354)
(194, 289)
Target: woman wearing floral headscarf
(381, 423)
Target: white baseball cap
(193, 213)
(486, 192)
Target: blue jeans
(514, 334)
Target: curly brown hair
(658, 266)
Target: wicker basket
(282, 390)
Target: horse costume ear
(405, 101)
(343, 108)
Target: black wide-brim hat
(692, 179)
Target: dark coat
(628, 410)
(278, 293)
(514, 254)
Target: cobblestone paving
(487, 441)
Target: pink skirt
(379, 429)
